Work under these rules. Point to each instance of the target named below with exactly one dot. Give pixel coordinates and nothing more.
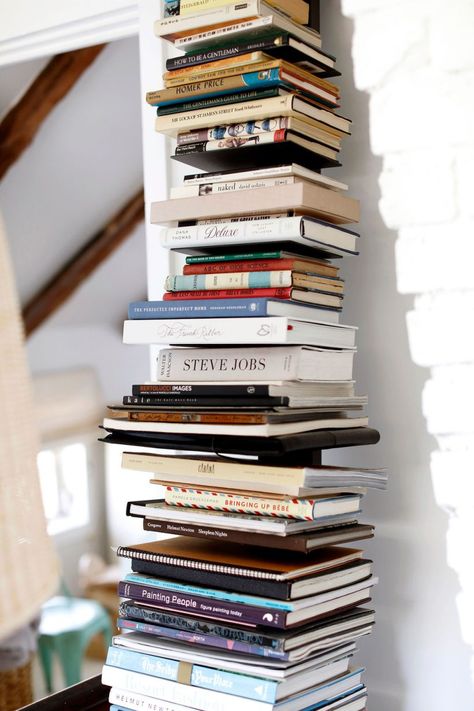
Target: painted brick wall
(416, 61)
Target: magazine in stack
(255, 593)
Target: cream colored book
(304, 197)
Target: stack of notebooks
(252, 597)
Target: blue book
(229, 308)
(200, 282)
(214, 593)
(249, 687)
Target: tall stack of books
(255, 600)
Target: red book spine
(284, 293)
(260, 265)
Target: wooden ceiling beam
(83, 263)
(20, 125)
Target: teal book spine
(229, 280)
(213, 593)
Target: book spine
(256, 364)
(271, 330)
(211, 258)
(230, 187)
(244, 66)
(198, 308)
(187, 588)
(224, 233)
(300, 509)
(216, 294)
(198, 70)
(160, 621)
(228, 143)
(211, 102)
(211, 87)
(221, 53)
(162, 466)
(293, 543)
(197, 40)
(175, 692)
(190, 389)
(250, 128)
(200, 676)
(220, 418)
(208, 402)
(229, 280)
(146, 663)
(220, 610)
(171, 27)
(260, 265)
(126, 700)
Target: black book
(194, 401)
(303, 448)
(261, 155)
(280, 46)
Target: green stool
(66, 628)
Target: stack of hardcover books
(255, 601)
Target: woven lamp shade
(28, 564)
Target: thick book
(303, 611)
(280, 45)
(196, 582)
(249, 110)
(304, 447)
(304, 508)
(318, 237)
(249, 475)
(271, 330)
(297, 10)
(235, 132)
(277, 140)
(226, 308)
(259, 151)
(254, 364)
(229, 18)
(144, 685)
(300, 542)
(308, 198)
(202, 673)
(231, 660)
(273, 72)
(287, 646)
(219, 100)
(323, 421)
(276, 172)
(275, 278)
(290, 572)
(304, 296)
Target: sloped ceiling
(84, 164)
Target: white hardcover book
(270, 330)
(275, 172)
(255, 364)
(309, 232)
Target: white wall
(85, 162)
(416, 658)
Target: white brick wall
(417, 62)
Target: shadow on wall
(416, 658)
